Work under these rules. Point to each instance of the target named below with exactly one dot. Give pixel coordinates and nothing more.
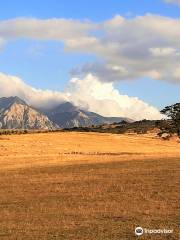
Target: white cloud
(173, 1)
(114, 22)
(88, 93)
(48, 29)
(14, 86)
(106, 100)
(143, 46)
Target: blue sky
(92, 9)
(45, 64)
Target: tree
(173, 114)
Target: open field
(88, 186)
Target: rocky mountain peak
(16, 114)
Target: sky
(117, 58)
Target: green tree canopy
(173, 113)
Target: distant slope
(66, 115)
(16, 114)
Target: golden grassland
(88, 186)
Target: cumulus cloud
(105, 72)
(47, 29)
(14, 86)
(88, 93)
(106, 100)
(177, 2)
(143, 46)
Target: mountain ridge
(15, 113)
(66, 115)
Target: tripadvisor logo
(139, 231)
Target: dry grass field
(88, 186)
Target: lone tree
(173, 114)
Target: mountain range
(15, 113)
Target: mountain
(16, 114)
(66, 115)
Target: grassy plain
(88, 186)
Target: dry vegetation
(88, 186)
